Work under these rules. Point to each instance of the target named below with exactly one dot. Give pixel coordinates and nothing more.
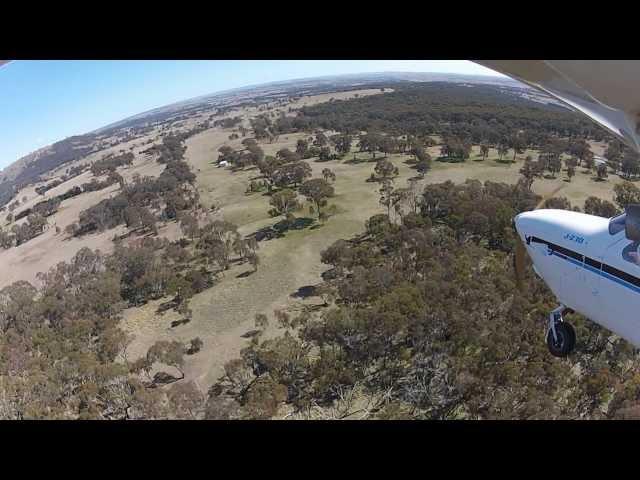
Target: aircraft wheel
(566, 341)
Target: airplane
(590, 263)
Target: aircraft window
(616, 224)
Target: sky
(42, 102)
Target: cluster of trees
(96, 185)
(238, 159)
(291, 180)
(110, 163)
(455, 148)
(284, 175)
(35, 225)
(62, 354)
(228, 122)
(262, 127)
(391, 343)
(41, 190)
(75, 171)
(289, 175)
(481, 112)
(577, 154)
(623, 160)
(137, 201)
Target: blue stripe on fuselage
(599, 272)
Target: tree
(343, 144)
(601, 171)
(195, 345)
(630, 165)
(268, 167)
(169, 353)
(218, 240)
(503, 148)
(284, 202)
(6, 239)
(321, 140)
(589, 162)
(287, 156)
(528, 171)
(317, 190)
(324, 154)
(386, 196)
(385, 169)
(261, 321)
(186, 400)
(302, 147)
(581, 149)
(423, 166)
(560, 203)
(625, 194)
(422, 156)
(602, 208)
(189, 225)
(614, 155)
(454, 147)
(291, 174)
(554, 165)
(484, 150)
(148, 221)
(115, 177)
(517, 144)
(253, 260)
(328, 175)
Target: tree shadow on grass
(177, 323)
(250, 334)
(357, 161)
(300, 223)
(305, 292)
(166, 306)
(279, 229)
(504, 161)
(245, 274)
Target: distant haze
(47, 101)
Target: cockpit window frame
(617, 224)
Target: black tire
(566, 340)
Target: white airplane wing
(607, 91)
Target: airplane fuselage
(589, 265)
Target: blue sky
(42, 102)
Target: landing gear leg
(561, 337)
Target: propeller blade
(520, 253)
(549, 196)
(519, 260)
